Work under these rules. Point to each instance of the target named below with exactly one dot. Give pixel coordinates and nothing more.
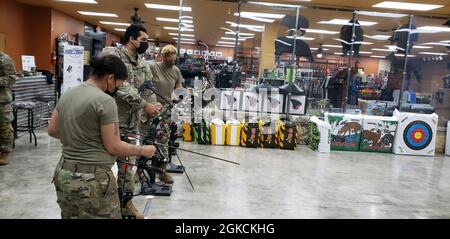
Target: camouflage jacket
(7, 77)
(129, 101)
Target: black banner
(223, 229)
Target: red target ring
(417, 135)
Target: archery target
(418, 135)
(272, 103)
(230, 99)
(447, 141)
(297, 104)
(251, 101)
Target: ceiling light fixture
(407, 6)
(316, 49)
(259, 14)
(259, 19)
(437, 44)
(319, 31)
(115, 23)
(99, 14)
(168, 7)
(120, 29)
(432, 29)
(79, 1)
(302, 38)
(186, 42)
(382, 49)
(422, 47)
(381, 14)
(181, 30)
(365, 52)
(256, 28)
(403, 55)
(342, 22)
(171, 28)
(433, 53)
(182, 34)
(378, 37)
(233, 24)
(278, 4)
(333, 46)
(220, 45)
(378, 56)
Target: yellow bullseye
(418, 135)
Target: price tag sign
(28, 62)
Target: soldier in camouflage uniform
(7, 79)
(86, 122)
(134, 107)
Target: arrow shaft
(184, 169)
(204, 155)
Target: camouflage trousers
(85, 194)
(162, 133)
(6, 130)
(125, 173)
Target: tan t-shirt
(165, 80)
(82, 111)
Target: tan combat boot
(5, 158)
(165, 177)
(130, 208)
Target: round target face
(418, 135)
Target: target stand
(416, 134)
(173, 168)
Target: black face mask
(142, 47)
(114, 92)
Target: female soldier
(86, 122)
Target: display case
(316, 71)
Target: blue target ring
(418, 135)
